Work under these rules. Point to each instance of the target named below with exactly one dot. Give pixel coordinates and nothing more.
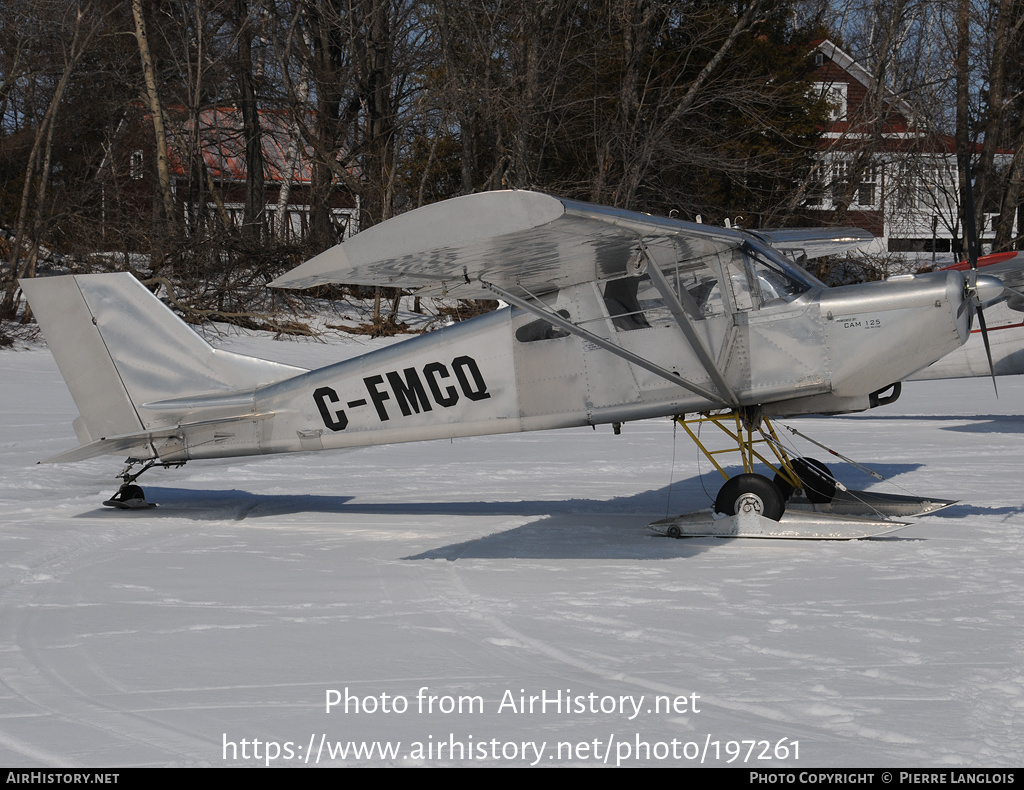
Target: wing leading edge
(810, 243)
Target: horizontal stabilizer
(108, 445)
(134, 368)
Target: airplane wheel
(818, 483)
(129, 492)
(748, 491)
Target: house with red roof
(905, 174)
(208, 169)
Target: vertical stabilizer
(118, 348)
(73, 337)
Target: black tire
(784, 486)
(129, 492)
(674, 531)
(766, 496)
(818, 484)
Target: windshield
(759, 278)
(783, 265)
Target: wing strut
(607, 345)
(689, 331)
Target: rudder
(119, 348)
(72, 333)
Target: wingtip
(319, 270)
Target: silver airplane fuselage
(825, 351)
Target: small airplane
(614, 316)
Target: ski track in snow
(508, 563)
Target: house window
(868, 187)
(135, 166)
(834, 93)
(816, 187)
(927, 185)
(837, 188)
(840, 180)
(905, 186)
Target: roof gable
(221, 141)
(839, 68)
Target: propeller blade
(971, 232)
(988, 349)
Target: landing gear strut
(751, 432)
(750, 505)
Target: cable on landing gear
(749, 430)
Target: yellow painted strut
(749, 436)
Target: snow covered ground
(488, 570)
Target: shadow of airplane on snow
(578, 528)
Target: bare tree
(254, 217)
(1004, 125)
(76, 26)
(156, 110)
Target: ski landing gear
(130, 496)
(803, 500)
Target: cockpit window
(777, 284)
(758, 279)
(753, 276)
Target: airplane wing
(809, 243)
(1008, 267)
(524, 242)
(998, 261)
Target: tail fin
(118, 348)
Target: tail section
(120, 348)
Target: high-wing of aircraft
(614, 316)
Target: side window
(541, 330)
(739, 277)
(772, 286)
(621, 298)
(744, 278)
(635, 303)
(772, 281)
(654, 307)
(698, 290)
